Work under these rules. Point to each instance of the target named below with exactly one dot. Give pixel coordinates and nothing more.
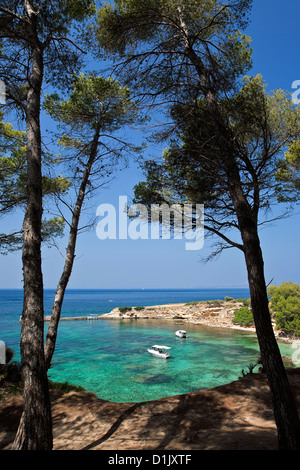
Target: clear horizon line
(135, 288)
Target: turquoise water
(110, 358)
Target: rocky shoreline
(216, 313)
(213, 313)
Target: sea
(110, 358)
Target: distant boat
(181, 334)
(159, 351)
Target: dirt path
(237, 416)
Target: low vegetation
(128, 309)
(11, 380)
(244, 317)
(252, 366)
(65, 387)
(285, 306)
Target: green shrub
(252, 366)
(243, 316)
(139, 308)
(245, 302)
(125, 309)
(285, 303)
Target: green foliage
(243, 317)
(125, 309)
(285, 302)
(289, 173)
(93, 97)
(12, 166)
(65, 387)
(180, 50)
(157, 29)
(13, 180)
(56, 185)
(95, 105)
(61, 30)
(53, 228)
(191, 169)
(246, 302)
(139, 308)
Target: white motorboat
(159, 351)
(181, 334)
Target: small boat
(181, 334)
(159, 351)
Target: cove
(110, 358)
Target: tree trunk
(35, 429)
(70, 255)
(285, 409)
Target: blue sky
(129, 263)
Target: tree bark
(70, 255)
(285, 409)
(284, 405)
(35, 429)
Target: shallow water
(110, 358)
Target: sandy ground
(237, 416)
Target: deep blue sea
(110, 357)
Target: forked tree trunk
(35, 428)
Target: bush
(285, 303)
(125, 309)
(244, 317)
(139, 308)
(245, 302)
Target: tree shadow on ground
(236, 416)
